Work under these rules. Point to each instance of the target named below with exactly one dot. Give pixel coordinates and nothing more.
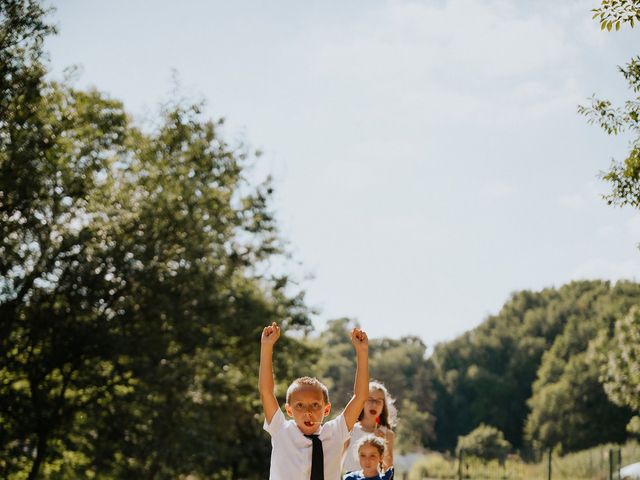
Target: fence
(599, 463)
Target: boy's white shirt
(291, 450)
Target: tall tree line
(528, 372)
(131, 290)
(534, 371)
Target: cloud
(434, 63)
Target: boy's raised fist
(270, 334)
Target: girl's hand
(359, 340)
(270, 334)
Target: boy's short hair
(310, 381)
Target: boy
(303, 448)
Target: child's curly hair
(389, 415)
(374, 441)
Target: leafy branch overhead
(623, 176)
(614, 13)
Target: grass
(592, 464)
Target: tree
(624, 176)
(618, 355)
(43, 201)
(415, 428)
(568, 405)
(337, 365)
(499, 373)
(133, 283)
(573, 412)
(485, 375)
(402, 365)
(485, 442)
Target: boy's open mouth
(309, 423)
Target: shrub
(433, 465)
(485, 442)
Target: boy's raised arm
(270, 336)
(361, 387)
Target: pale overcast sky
(427, 155)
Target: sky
(427, 156)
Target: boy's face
(369, 460)
(307, 408)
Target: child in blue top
(370, 454)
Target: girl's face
(369, 460)
(374, 405)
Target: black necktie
(317, 458)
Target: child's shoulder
(388, 475)
(357, 475)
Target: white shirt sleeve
(277, 422)
(337, 427)
(344, 430)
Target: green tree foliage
(415, 428)
(569, 406)
(617, 353)
(625, 180)
(613, 13)
(403, 368)
(485, 442)
(624, 176)
(132, 291)
(486, 375)
(400, 364)
(337, 364)
(574, 413)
